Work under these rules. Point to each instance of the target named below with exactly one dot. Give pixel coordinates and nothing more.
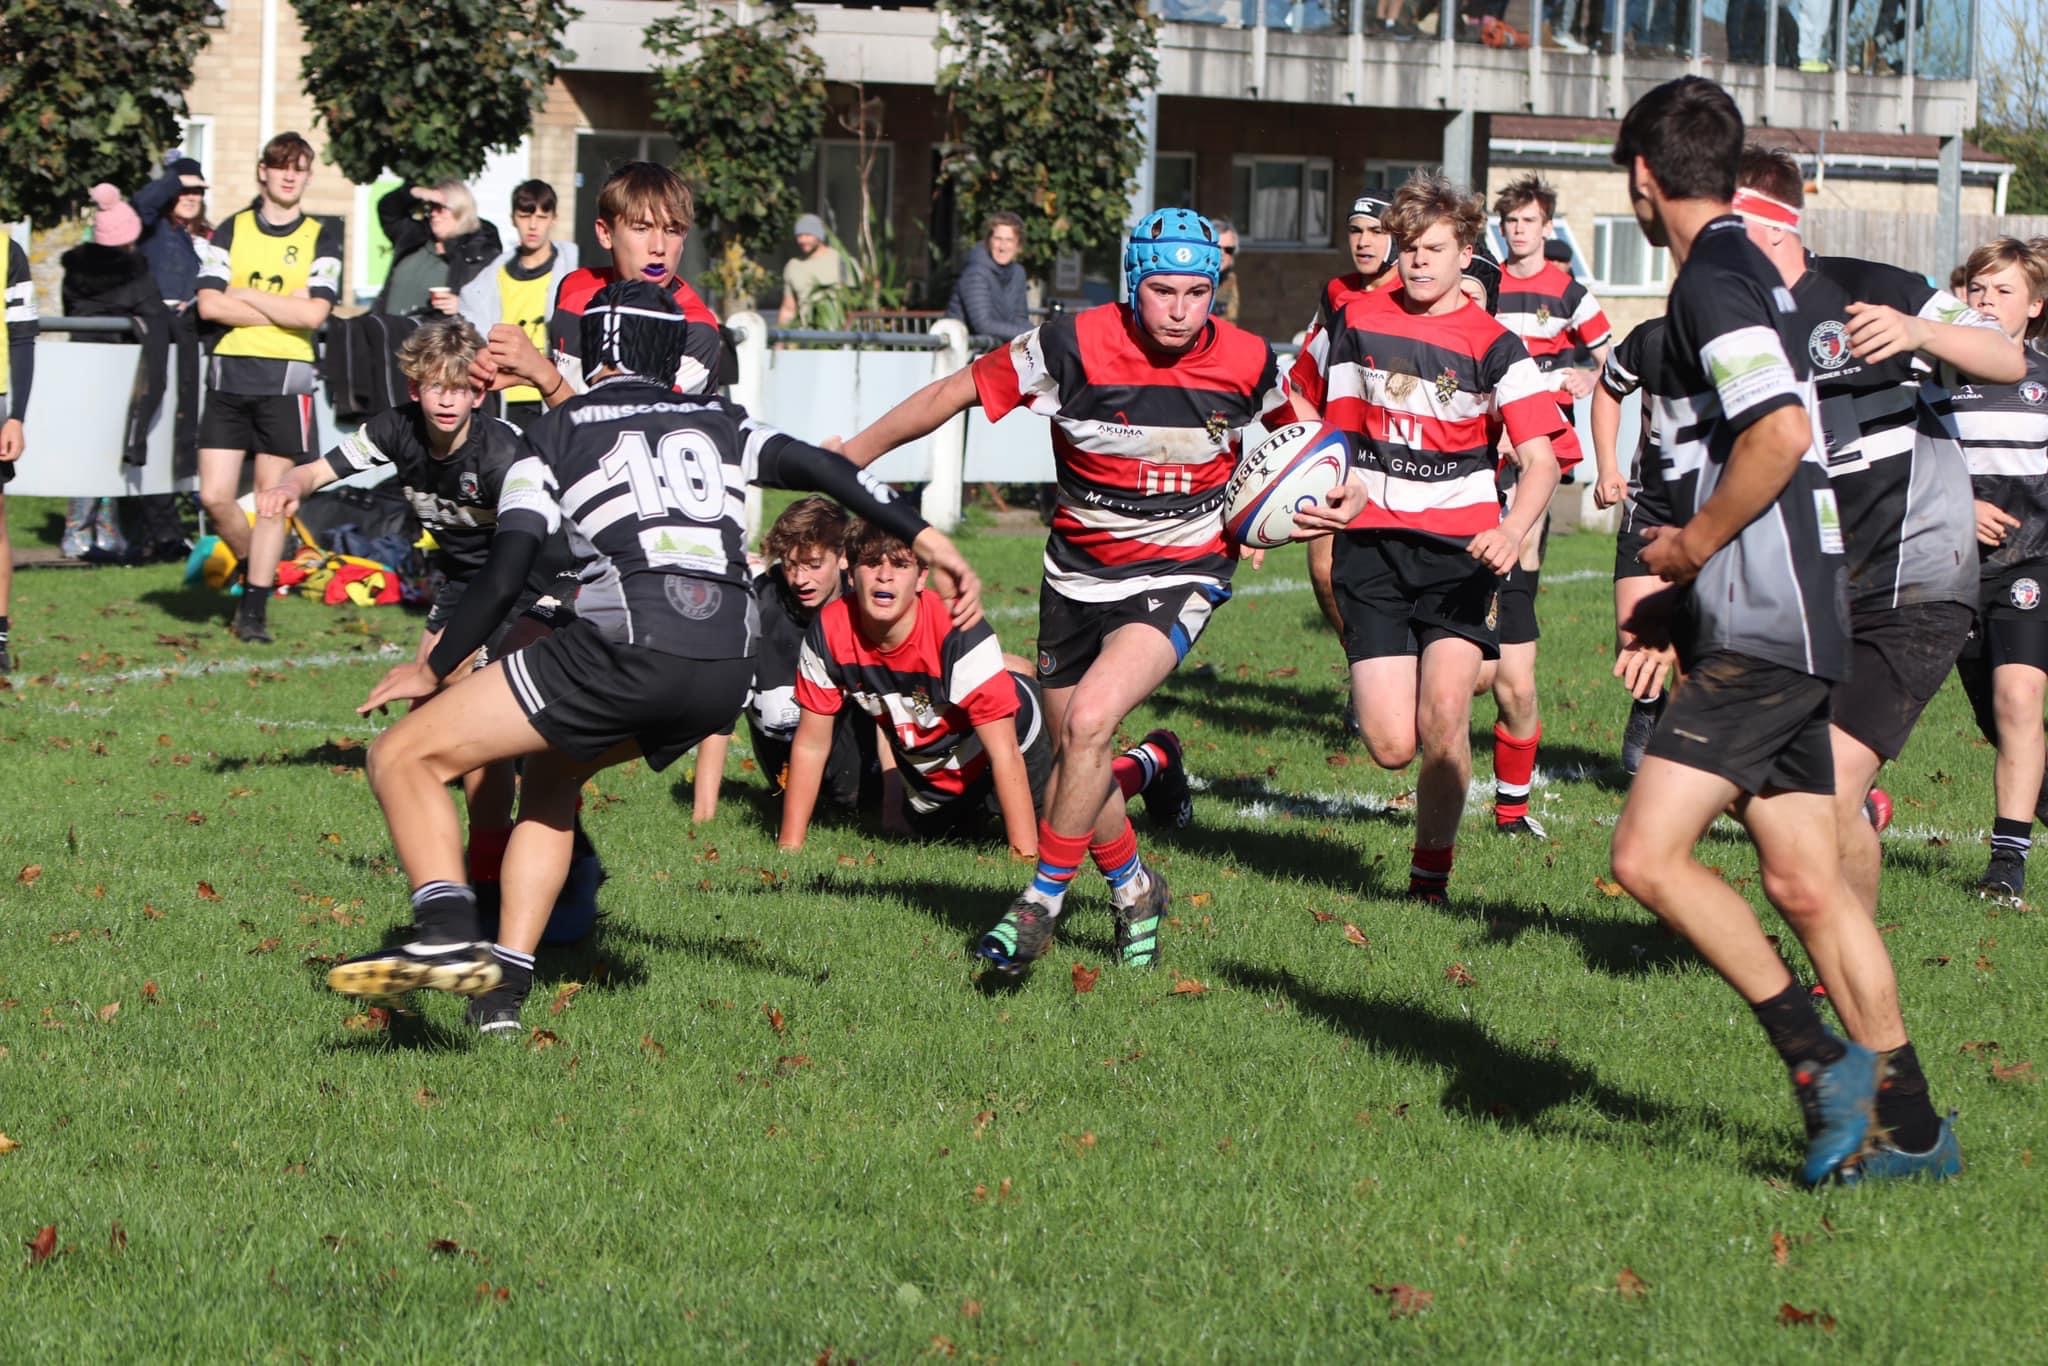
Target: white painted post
(942, 493)
(750, 350)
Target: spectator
(1815, 18)
(108, 278)
(1225, 306)
(438, 245)
(991, 295)
(519, 287)
(812, 280)
(17, 372)
(173, 213)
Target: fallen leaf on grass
(28, 875)
(8, 1145)
(981, 1122)
(1789, 1316)
(1979, 1046)
(563, 997)
(206, 892)
(445, 1247)
(791, 1063)
(149, 992)
(376, 1017)
(1781, 1248)
(1084, 978)
(1337, 760)
(1199, 899)
(1187, 986)
(108, 1011)
(43, 1246)
(1631, 1286)
(265, 946)
(2019, 1071)
(542, 1038)
(1404, 1299)
(1322, 917)
(1607, 888)
(486, 1291)
(970, 1309)
(151, 912)
(651, 1048)
(1355, 935)
(117, 1238)
(1458, 975)
(775, 1021)
(424, 1098)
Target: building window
(1382, 178)
(598, 154)
(1173, 180)
(831, 186)
(195, 140)
(1281, 201)
(1624, 261)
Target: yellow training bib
(277, 264)
(524, 304)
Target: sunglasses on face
(1229, 251)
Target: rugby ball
(1291, 469)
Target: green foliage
(1043, 101)
(2028, 152)
(427, 90)
(744, 103)
(90, 90)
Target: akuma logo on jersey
(2025, 594)
(2033, 392)
(1829, 345)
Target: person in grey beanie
(813, 278)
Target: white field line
(200, 668)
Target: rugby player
(268, 276)
(649, 485)
(1146, 398)
(1763, 635)
(1426, 382)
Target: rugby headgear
(1371, 206)
(1486, 271)
(1171, 242)
(635, 326)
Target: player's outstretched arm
(1609, 487)
(923, 413)
(282, 499)
(808, 751)
(1877, 332)
(1766, 455)
(1012, 783)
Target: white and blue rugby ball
(1291, 469)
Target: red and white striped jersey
(1426, 399)
(928, 694)
(1552, 313)
(1144, 443)
(1307, 377)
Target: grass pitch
(767, 1113)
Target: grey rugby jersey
(1899, 478)
(2004, 433)
(1732, 355)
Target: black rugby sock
(1903, 1105)
(1795, 1028)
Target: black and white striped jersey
(1732, 355)
(1899, 479)
(1638, 363)
(650, 486)
(2004, 433)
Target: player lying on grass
(1762, 634)
(451, 461)
(1426, 382)
(1146, 397)
(807, 571)
(964, 723)
(649, 485)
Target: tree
(1044, 102)
(428, 89)
(2012, 100)
(744, 103)
(90, 90)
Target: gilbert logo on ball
(1293, 468)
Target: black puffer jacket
(115, 282)
(403, 219)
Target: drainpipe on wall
(266, 81)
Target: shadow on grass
(1491, 1081)
(413, 1033)
(1291, 853)
(1620, 948)
(191, 603)
(326, 754)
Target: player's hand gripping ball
(1291, 469)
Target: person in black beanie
(173, 212)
